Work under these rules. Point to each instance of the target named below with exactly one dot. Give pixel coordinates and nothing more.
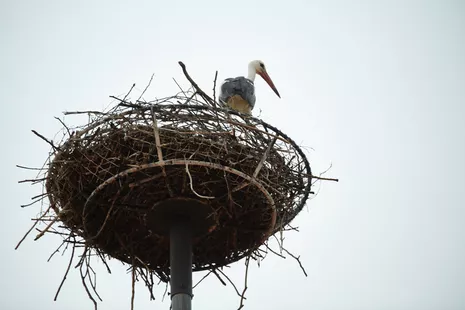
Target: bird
(239, 93)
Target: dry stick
(102, 258)
(218, 276)
(46, 228)
(83, 279)
(32, 180)
(27, 233)
(197, 88)
(146, 87)
(192, 186)
(133, 85)
(256, 129)
(190, 98)
(274, 252)
(180, 88)
(30, 168)
(67, 270)
(64, 125)
(297, 258)
(55, 148)
(133, 293)
(156, 133)
(203, 278)
(232, 283)
(260, 164)
(214, 86)
(320, 178)
(94, 283)
(245, 282)
(30, 204)
(40, 195)
(164, 293)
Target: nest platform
(116, 184)
(118, 181)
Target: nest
(109, 181)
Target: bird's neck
(252, 72)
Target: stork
(239, 93)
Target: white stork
(239, 93)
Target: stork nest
(107, 181)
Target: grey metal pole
(181, 265)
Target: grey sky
(377, 88)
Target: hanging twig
(247, 260)
(67, 269)
(133, 284)
(297, 258)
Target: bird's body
(239, 93)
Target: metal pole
(181, 265)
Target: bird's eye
(262, 65)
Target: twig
(323, 179)
(46, 228)
(146, 87)
(133, 85)
(264, 157)
(30, 204)
(218, 276)
(85, 112)
(29, 168)
(32, 180)
(83, 279)
(156, 133)
(26, 234)
(133, 293)
(55, 148)
(192, 186)
(67, 270)
(57, 250)
(232, 283)
(179, 86)
(214, 86)
(197, 88)
(164, 294)
(203, 278)
(274, 252)
(64, 125)
(245, 282)
(297, 258)
(107, 216)
(259, 166)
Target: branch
(133, 85)
(297, 258)
(150, 82)
(133, 293)
(64, 125)
(214, 86)
(245, 283)
(197, 88)
(67, 270)
(56, 148)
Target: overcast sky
(376, 88)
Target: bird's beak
(267, 78)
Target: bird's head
(260, 69)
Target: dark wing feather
(238, 86)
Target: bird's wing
(238, 86)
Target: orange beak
(267, 78)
